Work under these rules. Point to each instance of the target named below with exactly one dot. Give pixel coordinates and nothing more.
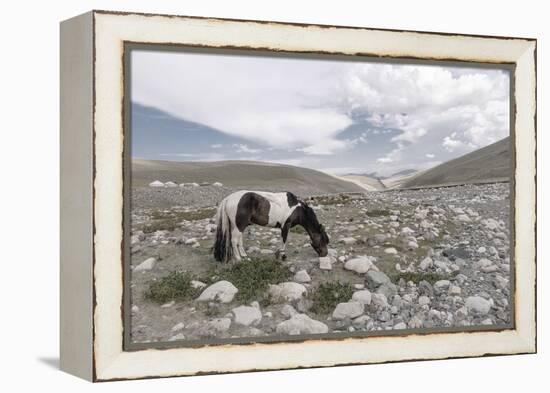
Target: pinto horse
(277, 210)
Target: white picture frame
(92, 194)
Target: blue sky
(336, 116)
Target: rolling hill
(240, 174)
(489, 164)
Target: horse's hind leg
(241, 247)
(236, 239)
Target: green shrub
(252, 277)
(175, 286)
(378, 213)
(416, 277)
(327, 295)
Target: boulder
(359, 265)
(156, 183)
(426, 263)
(301, 276)
(478, 305)
(348, 310)
(148, 264)
(288, 311)
(325, 263)
(301, 324)
(221, 291)
(286, 291)
(388, 289)
(247, 315)
(376, 278)
(214, 327)
(364, 296)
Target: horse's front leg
(284, 234)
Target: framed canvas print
(246, 195)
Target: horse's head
(317, 233)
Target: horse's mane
(311, 217)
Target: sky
(336, 116)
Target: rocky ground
(398, 260)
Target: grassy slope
(491, 163)
(239, 174)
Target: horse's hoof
(283, 257)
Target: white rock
(301, 276)
(348, 310)
(218, 325)
(482, 263)
(177, 337)
(177, 327)
(247, 315)
(390, 250)
(156, 183)
(148, 264)
(478, 305)
(221, 291)
(441, 285)
(170, 184)
(217, 184)
(266, 251)
(332, 252)
(325, 263)
(168, 305)
(415, 323)
(426, 263)
(197, 284)
(301, 324)
(424, 300)
(400, 326)
(287, 291)
(359, 286)
(454, 290)
(380, 300)
(135, 309)
(288, 311)
(191, 241)
(348, 240)
(359, 265)
(463, 218)
(364, 296)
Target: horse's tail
(223, 250)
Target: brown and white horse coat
(277, 210)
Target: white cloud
(451, 144)
(427, 103)
(274, 101)
(242, 148)
(291, 106)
